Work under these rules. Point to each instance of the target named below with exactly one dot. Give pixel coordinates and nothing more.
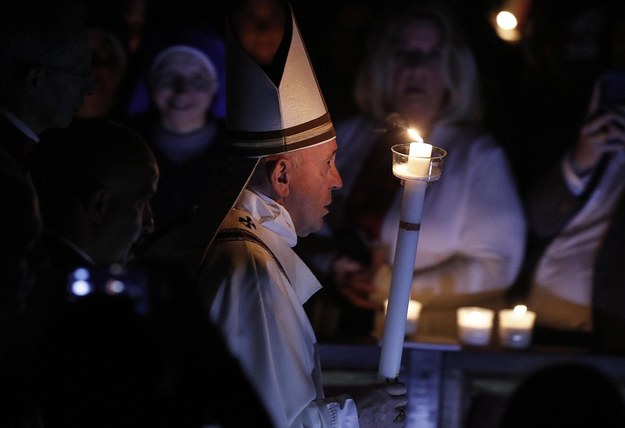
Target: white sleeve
(268, 332)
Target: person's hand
(353, 280)
(602, 132)
(381, 405)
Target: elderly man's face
(311, 183)
(129, 215)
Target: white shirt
(472, 236)
(259, 311)
(473, 229)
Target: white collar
(275, 218)
(269, 213)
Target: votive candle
(516, 326)
(475, 325)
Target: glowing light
(475, 325)
(115, 287)
(81, 274)
(515, 326)
(81, 288)
(520, 309)
(506, 25)
(506, 20)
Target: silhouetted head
(565, 395)
(95, 180)
(44, 62)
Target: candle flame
(415, 135)
(520, 309)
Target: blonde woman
(419, 73)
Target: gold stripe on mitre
(265, 143)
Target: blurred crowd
(530, 208)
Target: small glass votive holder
(412, 317)
(419, 168)
(516, 326)
(475, 325)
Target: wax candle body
(401, 280)
(515, 327)
(418, 167)
(419, 159)
(475, 325)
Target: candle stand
(415, 172)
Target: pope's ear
(34, 78)
(279, 176)
(98, 204)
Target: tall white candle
(401, 281)
(403, 264)
(412, 317)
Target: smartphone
(613, 88)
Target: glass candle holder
(409, 166)
(516, 326)
(475, 325)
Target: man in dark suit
(44, 75)
(94, 180)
